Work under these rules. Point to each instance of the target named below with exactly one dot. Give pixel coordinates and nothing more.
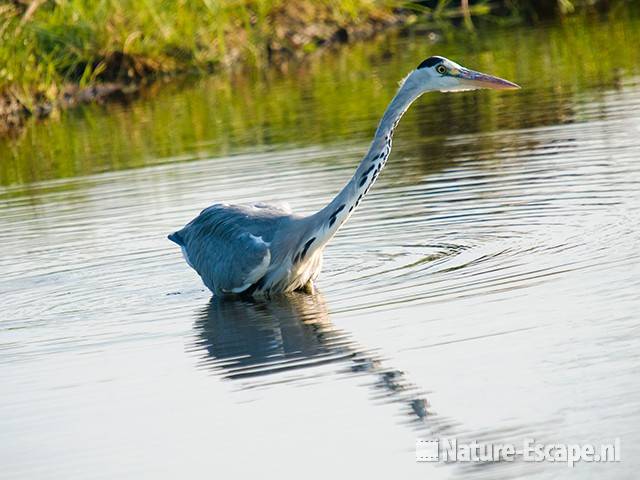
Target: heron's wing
(226, 245)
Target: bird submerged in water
(263, 249)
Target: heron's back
(233, 246)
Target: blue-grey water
(487, 289)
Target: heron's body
(262, 249)
(251, 249)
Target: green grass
(83, 41)
(565, 67)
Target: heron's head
(439, 73)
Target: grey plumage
(232, 246)
(262, 249)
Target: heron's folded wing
(223, 251)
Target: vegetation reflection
(336, 98)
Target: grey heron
(262, 249)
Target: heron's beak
(482, 80)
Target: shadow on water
(252, 340)
(247, 338)
(261, 344)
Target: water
(487, 288)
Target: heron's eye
(441, 69)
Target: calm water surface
(487, 289)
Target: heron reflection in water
(250, 340)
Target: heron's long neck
(327, 221)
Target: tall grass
(566, 68)
(82, 41)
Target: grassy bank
(60, 52)
(83, 41)
(569, 69)
(48, 47)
